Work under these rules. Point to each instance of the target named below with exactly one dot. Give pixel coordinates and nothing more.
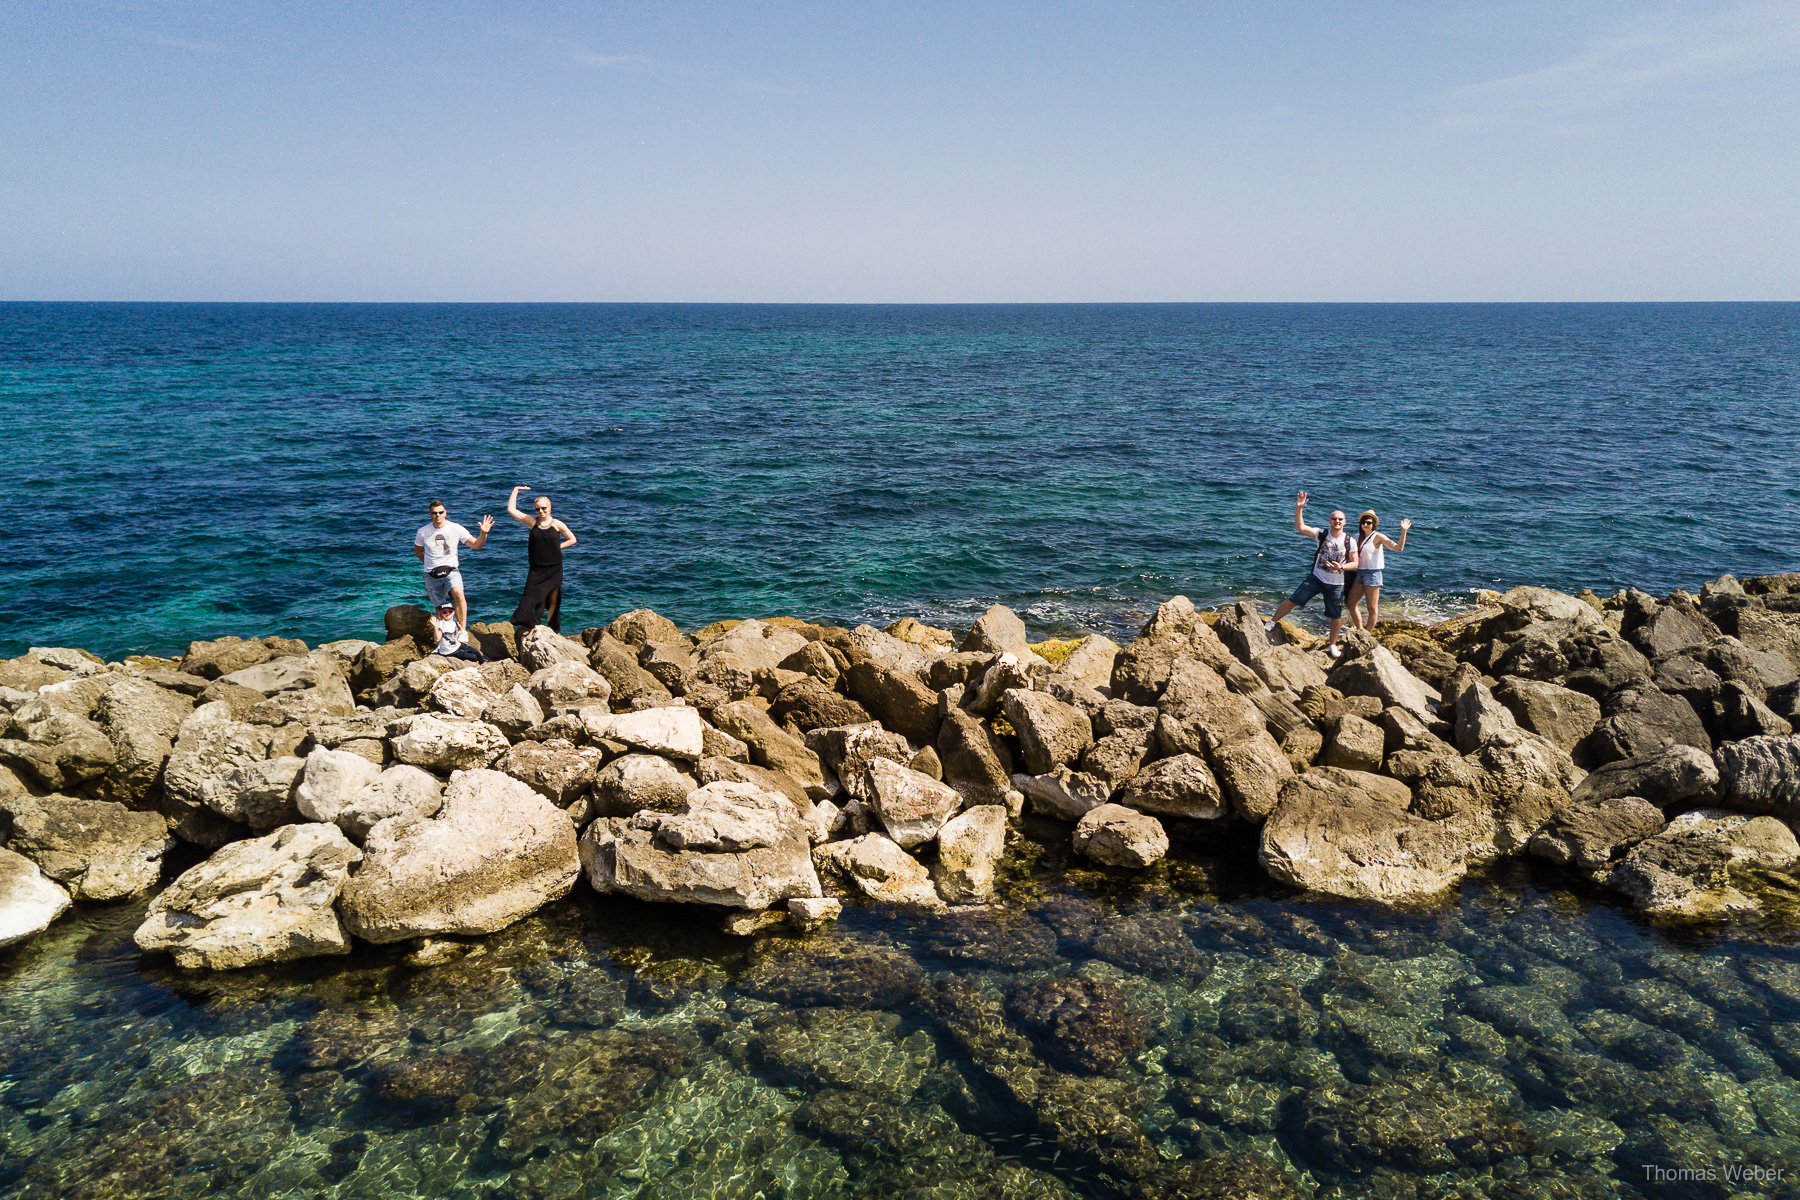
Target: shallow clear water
(175, 471)
(1184, 1032)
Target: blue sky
(198, 149)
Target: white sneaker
(1334, 651)
(1268, 627)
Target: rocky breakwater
(774, 770)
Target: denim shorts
(439, 589)
(1312, 586)
(1369, 578)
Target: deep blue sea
(177, 471)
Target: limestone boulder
(329, 781)
(460, 693)
(1593, 836)
(142, 721)
(635, 783)
(1737, 713)
(997, 631)
(219, 657)
(447, 744)
(398, 791)
(1120, 837)
(54, 748)
(1252, 772)
(1063, 794)
(641, 626)
(264, 900)
(1288, 668)
(1562, 715)
(261, 794)
(541, 646)
(912, 806)
(375, 665)
(880, 870)
(976, 761)
(630, 683)
(1663, 777)
(1327, 837)
(772, 747)
(969, 846)
(1761, 775)
(808, 704)
(204, 765)
(1051, 733)
(567, 685)
(1181, 786)
(866, 643)
(735, 845)
(96, 849)
(1376, 672)
(900, 700)
(1639, 720)
(1118, 757)
(756, 645)
(514, 711)
(1240, 627)
(725, 770)
(1689, 869)
(849, 749)
(1473, 710)
(557, 769)
(495, 853)
(1091, 661)
(29, 900)
(408, 686)
(673, 731)
(1356, 744)
(318, 674)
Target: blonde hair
(1369, 514)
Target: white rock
(448, 743)
(461, 693)
(1120, 837)
(399, 791)
(28, 900)
(728, 817)
(674, 731)
(1066, 794)
(876, 865)
(329, 780)
(259, 794)
(813, 912)
(565, 685)
(912, 805)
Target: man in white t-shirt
(436, 545)
(1336, 554)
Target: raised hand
(523, 487)
(487, 523)
(1300, 500)
(1405, 524)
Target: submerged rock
(266, 900)
(1083, 1024)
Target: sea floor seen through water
(1186, 1032)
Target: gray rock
(1051, 733)
(1668, 631)
(399, 791)
(1182, 786)
(142, 721)
(969, 846)
(514, 711)
(1591, 836)
(725, 770)
(912, 806)
(1640, 720)
(1663, 777)
(1761, 774)
(1120, 837)
(1477, 715)
(29, 901)
(447, 743)
(460, 693)
(541, 646)
(1287, 668)
(259, 794)
(1240, 627)
(772, 747)
(329, 781)
(757, 646)
(1558, 713)
(266, 900)
(1738, 713)
(496, 852)
(1117, 758)
(635, 782)
(96, 849)
(1063, 794)
(723, 818)
(877, 867)
(849, 749)
(319, 673)
(998, 631)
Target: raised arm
(1405, 524)
(512, 505)
(568, 535)
(1300, 526)
(487, 523)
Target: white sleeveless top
(1370, 555)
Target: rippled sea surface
(1181, 1032)
(175, 471)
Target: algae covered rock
(1083, 1024)
(497, 851)
(264, 900)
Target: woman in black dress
(543, 586)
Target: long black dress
(543, 586)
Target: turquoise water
(1182, 1032)
(176, 471)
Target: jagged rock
(515, 710)
(814, 659)
(634, 782)
(1325, 836)
(1182, 786)
(1200, 713)
(1686, 870)
(259, 794)
(557, 770)
(221, 656)
(266, 900)
(716, 743)
(1404, 731)
(724, 770)
(29, 901)
(398, 791)
(1240, 627)
(1252, 773)
(329, 781)
(977, 763)
(55, 748)
(1064, 794)
(1639, 720)
(999, 674)
(1117, 757)
(1738, 713)
(811, 913)
(1120, 836)
(997, 631)
(496, 852)
(1663, 777)
(756, 645)
(927, 636)
(849, 749)
(209, 750)
(1376, 672)
(408, 687)
(1356, 744)
(1477, 715)
(1091, 661)
(1303, 746)
(1560, 714)
(772, 747)
(1761, 774)
(27, 674)
(635, 856)
(1668, 631)
(926, 762)
(541, 646)
(314, 679)
(460, 693)
(866, 643)
(96, 849)
(376, 665)
(673, 731)
(364, 735)
(825, 821)
(1051, 733)
(1592, 836)
(630, 683)
(900, 701)
(877, 867)
(447, 743)
(1288, 668)
(669, 662)
(1423, 657)
(912, 806)
(142, 722)
(969, 845)
(808, 704)
(641, 626)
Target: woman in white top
(1371, 555)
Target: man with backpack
(1336, 554)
